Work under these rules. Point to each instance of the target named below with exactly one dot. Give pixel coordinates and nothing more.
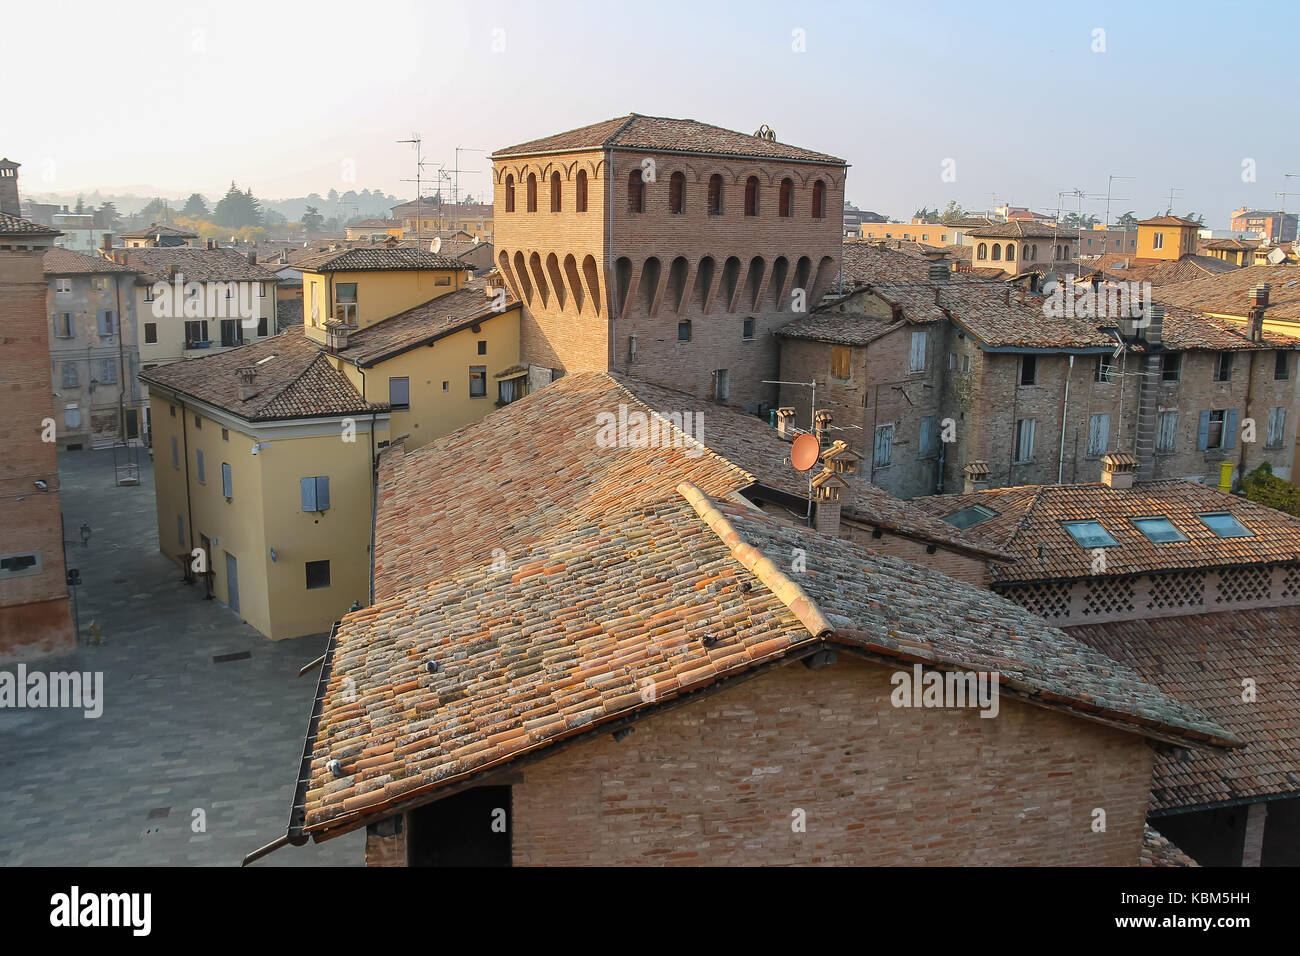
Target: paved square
(179, 733)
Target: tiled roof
(660, 133)
(471, 210)
(565, 630)
(193, 265)
(963, 253)
(1159, 272)
(422, 324)
(17, 226)
(1229, 293)
(1204, 660)
(160, 229)
(294, 380)
(865, 261)
(288, 314)
(969, 222)
(67, 262)
(1232, 245)
(1022, 230)
(1028, 524)
(375, 224)
(1169, 221)
(1159, 850)
(1185, 329)
(378, 258)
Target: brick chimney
(828, 487)
(1117, 470)
(940, 270)
(106, 244)
(9, 201)
(1258, 303)
(785, 423)
(247, 382)
(821, 422)
(977, 476)
(252, 257)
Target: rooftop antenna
(1281, 227)
(1110, 181)
(419, 171)
(1169, 211)
(455, 189)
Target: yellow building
(375, 229)
(263, 462)
(1167, 237)
(428, 218)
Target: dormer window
(1089, 534)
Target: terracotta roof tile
(1229, 293)
(378, 257)
(66, 262)
(193, 265)
(1159, 850)
(422, 324)
(18, 226)
(160, 229)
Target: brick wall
(954, 563)
(716, 781)
(386, 843)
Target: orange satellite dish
(805, 451)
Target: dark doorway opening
(470, 828)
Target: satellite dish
(805, 451)
(436, 245)
(1277, 256)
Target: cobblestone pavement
(179, 733)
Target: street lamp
(85, 535)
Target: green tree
(1196, 218)
(926, 214)
(1127, 221)
(238, 209)
(952, 212)
(195, 206)
(81, 207)
(1074, 220)
(107, 217)
(156, 210)
(312, 220)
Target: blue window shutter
(225, 480)
(308, 494)
(323, 494)
(1230, 430)
(199, 455)
(1203, 432)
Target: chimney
(106, 244)
(821, 422)
(1117, 470)
(171, 270)
(785, 423)
(252, 257)
(1006, 294)
(827, 490)
(940, 270)
(247, 382)
(977, 476)
(1154, 332)
(1258, 303)
(10, 204)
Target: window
(635, 192)
(556, 193)
(884, 447)
(1171, 366)
(684, 330)
(982, 251)
(927, 445)
(1011, 252)
(1167, 433)
(230, 333)
(1224, 525)
(1029, 370)
(580, 193)
(171, 409)
(26, 562)
(971, 516)
(677, 193)
(952, 361)
(532, 192)
(196, 334)
(1275, 437)
(785, 199)
(399, 393)
(180, 529)
(148, 293)
(261, 290)
(841, 357)
(1024, 450)
(107, 321)
(198, 422)
(1098, 435)
(72, 416)
(225, 435)
(198, 458)
(446, 386)
(477, 381)
(1158, 241)
(63, 325)
(1223, 367)
(315, 493)
(819, 200)
(261, 327)
(1217, 429)
(509, 390)
(751, 196)
(721, 385)
(715, 195)
(1282, 367)
(62, 285)
(747, 330)
(226, 486)
(997, 252)
(346, 292)
(176, 460)
(482, 347)
(1159, 530)
(315, 309)
(965, 363)
(70, 375)
(1107, 369)
(108, 371)
(318, 575)
(150, 333)
(1089, 534)
(916, 360)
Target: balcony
(197, 345)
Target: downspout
(374, 485)
(189, 508)
(121, 361)
(1065, 412)
(609, 258)
(1250, 400)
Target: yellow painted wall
(1178, 241)
(380, 293)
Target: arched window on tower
(555, 192)
(532, 192)
(510, 192)
(785, 204)
(715, 195)
(982, 251)
(1011, 252)
(677, 193)
(997, 252)
(819, 200)
(751, 196)
(580, 193)
(635, 191)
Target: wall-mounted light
(273, 555)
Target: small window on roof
(971, 516)
(1224, 525)
(1159, 530)
(1089, 534)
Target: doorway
(232, 582)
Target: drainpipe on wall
(121, 360)
(189, 508)
(1065, 412)
(1250, 401)
(609, 258)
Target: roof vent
(766, 132)
(247, 382)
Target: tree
(156, 210)
(1127, 221)
(926, 214)
(1194, 217)
(312, 220)
(1074, 220)
(81, 207)
(106, 217)
(333, 196)
(952, 212)
(238, 209)
(195, 206)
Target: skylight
(1159, 530)
(1090, 534)
(1225, 525)
(971, 516)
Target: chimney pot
(977, 475)
(1118, 469)
(252, 257)
(247, 382)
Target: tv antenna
(416, 141)
(456, 170)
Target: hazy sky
(289, 97)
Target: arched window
(819, 200)
(555, 192)
(580, 193)
(532, 192)
(1011, 252)
(982, 252)
(715, 195)
(785, 203)
(635, 191)
(997, 252)
(677, 193)
(510, 192)
(1033, 252)
(751, 196)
